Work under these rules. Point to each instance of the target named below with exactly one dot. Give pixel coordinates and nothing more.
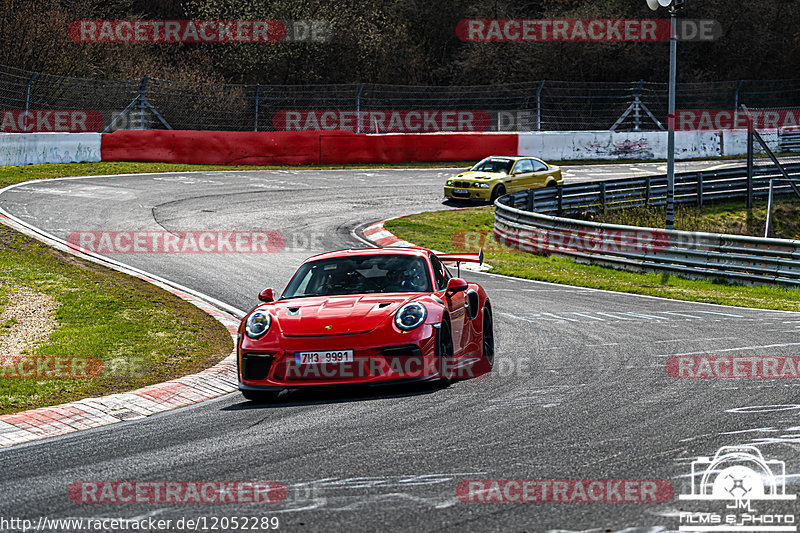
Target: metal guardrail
(521, 221)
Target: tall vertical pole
(768, 227)
(673, 59)
(28, 91)
(358, 108)
(255, 114)
(539, 106)
(750, 140)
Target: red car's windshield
(360, 275)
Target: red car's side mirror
(267, 295)
(455, 285)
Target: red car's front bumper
(410, 356)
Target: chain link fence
(31, 101)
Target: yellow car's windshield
(494, 164)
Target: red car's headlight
(257, 324)
(410, 316)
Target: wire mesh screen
(31, 101)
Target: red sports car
(367, 317)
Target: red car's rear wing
(461, 258)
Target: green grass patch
(436, 230)
(143, 334)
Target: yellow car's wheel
(497, 192)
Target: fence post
(142, 100)
(699, 189)
(603, 196)
(647, 192)
(358, 108)
(28, 90)
(531, 201)
(539, 106)
(769, 211)
(255, 115)
(750, 140)
(736, 97)
(560, 199)
(637, 98)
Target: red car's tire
(487, 350)
(444, 351)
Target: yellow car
(499, 175)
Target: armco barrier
(38, 148)
(692, 254)
(313, 147)
(690, 188)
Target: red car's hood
(336, 315)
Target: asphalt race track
(579, 389)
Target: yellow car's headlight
(449, 182)
(483, 185)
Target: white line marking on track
(614, 317)
(783, 345)
(679, 314)
(560, 318)
(647, 317)
(588, 316)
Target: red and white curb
(379, 235)
(89, 413)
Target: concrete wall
(37, 148)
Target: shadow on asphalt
(464, 203)
(303, 397)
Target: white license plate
(317, 358)
(460, 191)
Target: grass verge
(437, 230)
(142, 334)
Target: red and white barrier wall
(343, 147)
